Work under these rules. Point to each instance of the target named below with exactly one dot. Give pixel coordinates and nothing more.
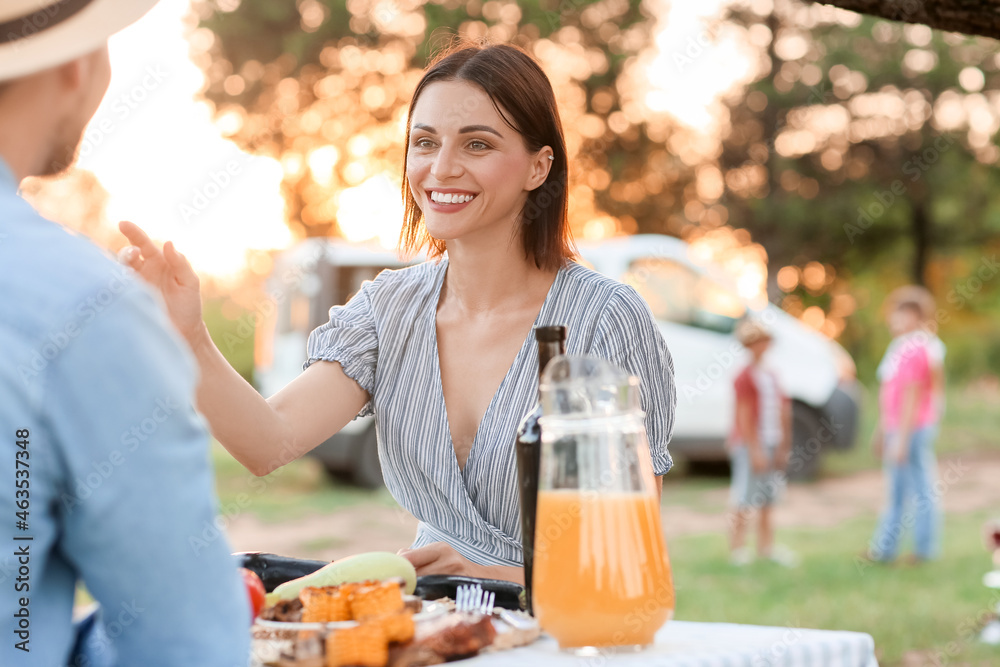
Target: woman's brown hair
(522, 95)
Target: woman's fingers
(423, 556)
(143, 253)
(180, 266)
(131, 257)
(138, 238)
(169, 273)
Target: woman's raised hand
(170, 273)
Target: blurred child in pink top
(910, 404)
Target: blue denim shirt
(109, 461)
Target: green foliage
(264, 30)
(875, 168)
(803, 224)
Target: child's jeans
(911, 500)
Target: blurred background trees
(859, 153)
(848, 155)
(862, 157)
(324, 87)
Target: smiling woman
(520, 94)
(441, 353)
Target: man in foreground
(105, 481)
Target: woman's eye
(423, 143)
(478, 145)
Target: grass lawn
(931, 609)
(297, 489)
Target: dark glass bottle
(551, 343)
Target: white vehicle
(697, 311)
(693, 305)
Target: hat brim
(80, 34)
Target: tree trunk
(972, 17)
(921, 224)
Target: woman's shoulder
(616, 299)
(415, 273)
(610, 314)
(583, 276)
(586, 281)
(408, 280)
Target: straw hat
(750, 330)
(38, 34)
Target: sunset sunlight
(164, 162)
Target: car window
(668, 288)
(675, 293)
(718, 308)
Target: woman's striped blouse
(385, 338)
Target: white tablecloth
(687, 644)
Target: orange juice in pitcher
(601, 574)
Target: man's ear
(541, 164)
(71, 75)
(85, 80)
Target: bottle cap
(550, 334)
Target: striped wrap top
(385, 338)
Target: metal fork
(471, 598)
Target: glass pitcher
(601, 574)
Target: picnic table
(689, 644)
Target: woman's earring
(552, 157)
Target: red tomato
(255, 590)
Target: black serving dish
(275, 570)
(434, 586)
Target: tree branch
(972, 17)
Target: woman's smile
(448, 200)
